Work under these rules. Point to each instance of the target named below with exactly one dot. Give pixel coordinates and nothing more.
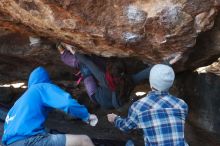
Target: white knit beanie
(161, 77)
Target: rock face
(17, 59)
(206, 50)
(202, 94)
(147, 29)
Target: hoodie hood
(38, 75)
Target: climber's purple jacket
(72, 61)
(26, 118)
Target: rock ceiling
(147, 29)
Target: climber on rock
(102, 83)
(112, 86)
(84, 75)
(24, 124)
(160, 115)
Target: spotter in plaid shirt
(161, 116)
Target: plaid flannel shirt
(161, 116)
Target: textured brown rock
(147, 29)
(205, 52)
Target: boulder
(147, 29)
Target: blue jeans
(141, 76)
(42, 140)
(85, 71)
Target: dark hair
(116, 68)
(124, 84)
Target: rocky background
(142, 32)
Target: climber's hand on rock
(70, 48)
(111, 117)
(60, 48)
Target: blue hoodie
(26, 118)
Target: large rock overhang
(147, 29)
